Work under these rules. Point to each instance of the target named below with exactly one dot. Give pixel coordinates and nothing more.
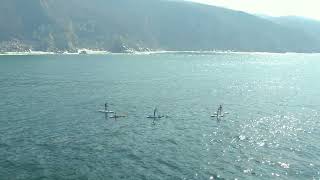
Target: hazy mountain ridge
(309, 26)
(117, 25)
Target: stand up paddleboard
(105, 110)
(155, 115)
(115, 116)
(219, 113)
(222, 115)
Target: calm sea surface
(50, 127)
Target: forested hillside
(118, 25)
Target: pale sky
(306, 8)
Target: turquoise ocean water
(50, 127)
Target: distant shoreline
(31, 53)
(95, 52)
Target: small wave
(168, 164)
